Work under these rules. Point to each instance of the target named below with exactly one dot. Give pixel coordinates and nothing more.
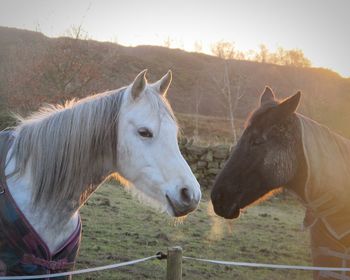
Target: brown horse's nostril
(185, 195)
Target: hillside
(35, 69)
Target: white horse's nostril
(186, 195)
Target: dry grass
(211, 130)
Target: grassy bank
(117, 228)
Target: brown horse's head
(265, 158)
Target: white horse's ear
(163, 84)
(139, 84)
(267, 97)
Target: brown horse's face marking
(265, 158)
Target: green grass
(117, 228)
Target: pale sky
(321, 28)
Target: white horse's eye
(145, 132)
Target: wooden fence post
(174, 263)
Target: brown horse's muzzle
(223, 207)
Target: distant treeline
(281, 56)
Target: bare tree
(198, 46)
(293, 57)
(232, 89)
(168, 42)
(66, 67)
(69, 65)
(198, 95)
(263, 54)
(296, 58)
(224, 49)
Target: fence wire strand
(81, 271)
(271, 266)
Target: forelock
(260, 112)
(159, 103)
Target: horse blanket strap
(51, 265)
(329, 251)
(320, 207)
(333, 275)
(22, 251)
(344, 257)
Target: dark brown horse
(282, 148)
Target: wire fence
(81, 271)
(270, 266)
(174, 266)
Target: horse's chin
(236, 214)
(233, 214)
(229, 213)
(176, 211)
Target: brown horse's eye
(145, 132)
(257, 141)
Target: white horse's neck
(21, 189)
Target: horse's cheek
(271, 167)
(278, 167)
(270, 161)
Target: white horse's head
(148, 152)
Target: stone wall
(205, 161)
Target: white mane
(65, 146)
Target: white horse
(60, 155)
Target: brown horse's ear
(267, 96)
(288, 106)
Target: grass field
(117, 228)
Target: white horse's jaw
(184, 201)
